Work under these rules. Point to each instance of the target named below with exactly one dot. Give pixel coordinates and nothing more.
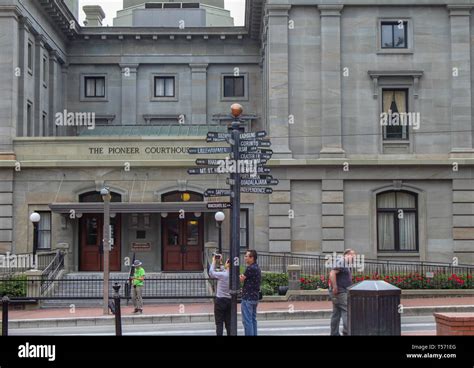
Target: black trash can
(373, 309)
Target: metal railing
(22, 262)
(52, 271)
(92, 288)
(412, 273)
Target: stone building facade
(317, 77)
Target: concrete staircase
(159, 288)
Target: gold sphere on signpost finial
(236, 110)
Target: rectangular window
(244, 229)
(30, 56)
(45, 71)
(29, 119)
(394, 35)
(397, 225)
(94, 87)
(234, 86)
(395, 117)
(164, 87)
(44, 230)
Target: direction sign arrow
(218, 206)
(255, 143)
(209, 150)
(255, 156)
(218, 135)
(209, 162)
(263, 170)
(256, 190)
(249, 149)
(253, 135)
(249, 176)
(255, 182)
(204, 171)
(217, 193)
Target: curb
(208, 317)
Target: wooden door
(91, 237)
(182, 243)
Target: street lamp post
(105, 193)
(220, 217)
(35, 219)
(234, 281)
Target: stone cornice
(415, 74)
(459, 10)
(330, 10)
(10, 11)
(277, 10)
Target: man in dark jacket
(250, 293)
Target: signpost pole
(235, 222)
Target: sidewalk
(204, 312)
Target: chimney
(94, 15)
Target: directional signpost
(248, 152)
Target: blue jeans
(249, 316)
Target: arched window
(182, 197)
(96, 197)
(397, 221)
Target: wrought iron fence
(92, 288)
(407, 274)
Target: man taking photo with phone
(222, 304)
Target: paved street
(419, 325)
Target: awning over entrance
(116, 207)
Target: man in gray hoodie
(222, 303)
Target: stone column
(277, 74)
(38, 78)
(331, 103)
(332, 215)
(463, 220)
(54, 91)
(280, 218)
(23, 30)
(129, 93)
(61, 131)
(199, 93)
(8, 80)
(6, 211)
(461, 102)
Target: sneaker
(140, 311)
(136, 311)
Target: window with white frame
(44, 230)
(397, 221)
(165, 86)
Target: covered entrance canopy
(180, 243)
(121, 207)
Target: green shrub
(271, 281)
(267, 289)
(13, 287)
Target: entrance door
(182, 243)
(91, 236)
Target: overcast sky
(110, 7)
